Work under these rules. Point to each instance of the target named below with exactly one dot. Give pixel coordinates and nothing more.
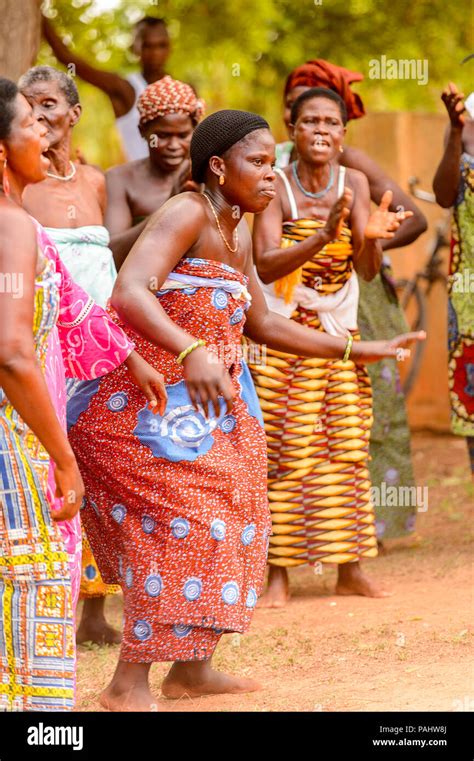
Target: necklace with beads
(67, 177)
(308, 193)
(235, 234)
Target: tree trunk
(20, 33)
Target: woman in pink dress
(50, 329)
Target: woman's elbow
(368, 267)
(264, 272)
(445, 193)
(264, 276)
(128, 292)
(443, 199)
(13, 357)
(367, 274)
(120, 295)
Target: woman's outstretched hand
(149, 380)
(207, 378)
(383, 223)
(365, 352)
(454, 102)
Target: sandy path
(412, 651)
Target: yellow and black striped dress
(317, 416)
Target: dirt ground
(409, 652)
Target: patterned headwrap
(321, 73)
(168, 96)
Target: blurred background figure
(152, 45)
(453, 185)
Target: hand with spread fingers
(366, 352)
(338, 214)
(454, 102)
(383, 223)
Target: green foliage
(237, 54)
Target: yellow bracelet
(347, 353)
(191, 348)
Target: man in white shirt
(152, 44)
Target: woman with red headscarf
(379, 315)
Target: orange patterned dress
(177, 510)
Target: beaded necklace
(308, 193)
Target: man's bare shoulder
(119, 172)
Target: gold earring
(6, 184)
(221, 179)
(341, 149)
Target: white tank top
(134, 146)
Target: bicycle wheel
(413, 302)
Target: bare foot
(179, 685)
(351, 581)
(97, 630)
(277, 593)
(93, 626)
(129, 698)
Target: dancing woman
(185, 530)
(50, 328)
(70, 204)
(379, 314)
(318, 414)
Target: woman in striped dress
(317, 413)
(380, 315)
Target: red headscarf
(321, 73)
